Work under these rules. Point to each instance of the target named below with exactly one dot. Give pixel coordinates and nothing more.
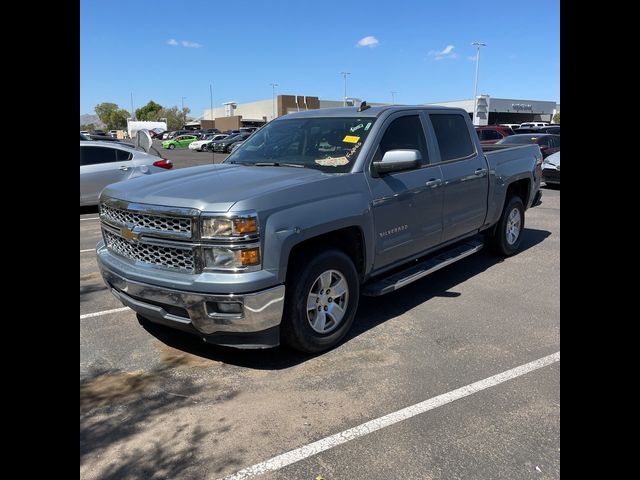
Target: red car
(492, 133)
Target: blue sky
(165, 50)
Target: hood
(214, 188)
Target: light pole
(273, 96)
(393, 97)
(344, 74)
(184, 115)
(475, 89)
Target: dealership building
(233, 115)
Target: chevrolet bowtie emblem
(128, 234)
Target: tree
(87, 127)
(104, 111)
(556, 118)
(113, 117)
(175, 117)
(149, 111)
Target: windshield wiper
(277, 164)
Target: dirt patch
(172, 358)
(113, 388)
(91, 277)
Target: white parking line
(326, 443)
(90, 218)
(88, 250)
(104, 312)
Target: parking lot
(157, 403)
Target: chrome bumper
(260, 311)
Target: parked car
(548, 143)
(276, 244)
(551, 169)
(199, 144)
(512, 126)
(99, 132)
(156, 133)
(84, 132)
(208, 147)
(84, 136)
(113, 133)
(492, 133)
(533, 124)
(235, 146)
(212, 130)
(225, 144)
(103, 163)
(553, 129)
(181, 141)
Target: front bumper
(256, 326)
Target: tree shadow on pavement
(372, 311)
(118, 410)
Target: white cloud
(370, 42)
(185, 43)
(188, 44)
(447, 52)
(471, 58)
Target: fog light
(234, 308)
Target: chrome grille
(153, 222)
(170, 257)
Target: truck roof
(369, 112)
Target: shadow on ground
(117, 410)
(372, 311)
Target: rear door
(99, 167)
(464, 172)
(407, 205)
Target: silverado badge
(128, 234)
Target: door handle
(433, 183)
(123, 168)
(480, 172)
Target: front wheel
(507, 235)
(321, 301)
(171, 146)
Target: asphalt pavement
(157, 403)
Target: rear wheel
(507, 235)
(321, 303)
(171, 146)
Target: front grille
(169, 257)
(153, 222)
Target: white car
(103, 163)
(200, 145)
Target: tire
(171, 146)
(507, 235)
(306, 329)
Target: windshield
(329, 144)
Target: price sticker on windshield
(350, 139)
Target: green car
(181, 141)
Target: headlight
(229, 227)
(222, 258)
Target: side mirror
(397, 160)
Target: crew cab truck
(277, 243)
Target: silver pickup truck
(276, 244)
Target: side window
(556, 142)
(405, 133)
(489, 135)
(452, 135)
(96, 155)
(123, 156)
